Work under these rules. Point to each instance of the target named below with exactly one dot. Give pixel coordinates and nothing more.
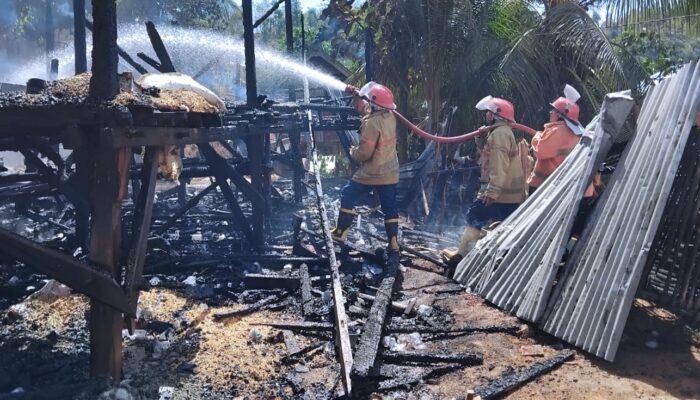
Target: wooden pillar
(104, 84)
(249, 43)
(110, 172)
(82, 211)
(289, 30)
(79, 36)
(256, 156)
(107, 187)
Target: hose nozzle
(350, 89)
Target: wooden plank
(165, 62)
(137, 136)
(511, 380)
(300, 326)
(366, 353)
(470, 359)
(143, 215)
(223, 168)
(60, 266)
(339, 316)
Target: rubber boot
(345, 219)
(470, 236)
(392, 234)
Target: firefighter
(552, 145)
(504, 164)
(379, 163)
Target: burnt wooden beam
(65, 269)
(153, 63)
(158, 46)
(79, 36)
(54, 180)
(366, 353)
(138, 136)
(223, 168)
(295, 356)
(107, 188)
(143, 214)
(256, 156)
(251, 85)
(470, 359)
(262, 304)
(511, 380)
(104, 83)
(510, 329)
(82, 182)
(301, 326)
(414, 376)
(184, 209)
(340, 317)
(307, 301)
(267, 14)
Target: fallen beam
(410, 376)
(123, 54)
(307, 301)
(342, 336)
(267, 281)
(366, 353)
(511, 380)
(166, 63)
(415, 357)
(512, 329)
(183, 210)
(300, 326)
(65, 269)
(264, 303)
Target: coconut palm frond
(679, 16)
(566, 47)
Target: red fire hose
(456, 139)
(447, 139)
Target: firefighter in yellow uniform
(379, 169)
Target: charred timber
(123, 54)
(260, 305)
(104, 83)
(65, 269)
(432, 358)
(510, 329)
(366, 353)
(511, 380)
(166, 64)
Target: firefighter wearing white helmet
(504, 163)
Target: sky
(313, 3)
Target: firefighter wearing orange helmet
(504, 164)
(552, 145)
(379, 163)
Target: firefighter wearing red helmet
(504, 164)
(379, 163)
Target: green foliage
(511, 18)
(652, 51)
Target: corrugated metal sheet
(590, 306)
(515, 266)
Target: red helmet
(378, 95)
(567, 108)
(501, 107)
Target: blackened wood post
(166, 64)
(289, 30)
(369, 54)
(256, 155)
(249, 43)
(48, 32)
(104, 83)
(110, 173)
(297, 163)
(79, 36)
(82, 182)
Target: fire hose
(448, 139)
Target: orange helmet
(501, 107)
(378, 95)
(566, 106)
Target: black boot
(392, 234)
(345, 218)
